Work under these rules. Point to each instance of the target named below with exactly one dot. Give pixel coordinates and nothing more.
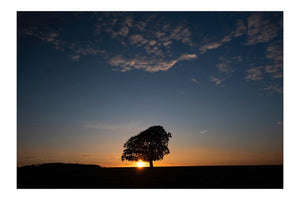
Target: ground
(93, 176)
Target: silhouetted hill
(59, 175)
(61, 166)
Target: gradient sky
(89, 81)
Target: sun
(140, 164)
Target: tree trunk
(151, 163)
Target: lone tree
(150, 145)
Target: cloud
(140, 25)
(82, 49)
(182, 34)
(152, 42)
(257, 29)
(274, 53)
(114, 24)
(270, 72)
(79, 49)
(204, 131)
(209, 46)
(167, 43)
(194, 80)
(128, 21)
(240, 29)
(275, 70)
(147, 64)
(123, 31)
(76, 49)
(254, 73)
(224, 68)
(85, 155)
(138, 40)
(274, 88)
(51, 37)
(217, 80)
(150, 49)
(187, 57)
(224, 71)
(75, 57)
(261, 30)
(153, 36)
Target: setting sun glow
(141, 163)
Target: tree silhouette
(149, 145)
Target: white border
(8, 96)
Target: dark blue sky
(89, 81)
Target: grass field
(93, 176)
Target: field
(92, 176)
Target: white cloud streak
(146, 64)
(204, 131)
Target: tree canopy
(149, 145)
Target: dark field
(93, 176)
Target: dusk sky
(88, 81)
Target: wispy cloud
(274, 52)
(140, 25)
(50, 36)
(79, 49)
(153, 37)
(182, 34)
(224, 70)
(273, 88)
(148, 64)
(114, 25)
(271, 71)
(239, 30)
(261, 30)
(254, 73)
(204, 131)
(209, 46)
(138, 40)
(217, 80)
(194, 80)
(74, 57)
(75, 49)
(258, 29)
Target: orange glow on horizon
(141, 164)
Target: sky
(88, 81)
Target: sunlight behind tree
(141, 164)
